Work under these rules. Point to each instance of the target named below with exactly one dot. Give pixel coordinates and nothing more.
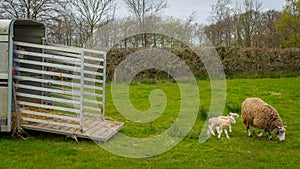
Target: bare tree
(40, 10)
(221, 26)
(192, 17)
(142, 9)
(93, 14)
(270, 37)
(61, 30)
(220, 11)
(240, 25)
(53, 13)
(250, 21)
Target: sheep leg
(218, 129)
(210, 130)
(230, 128)
(261, 134)
(226, 133)
(270, 137)
(220, 132)
(248, 129)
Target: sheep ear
(230, 113)
(277, 126)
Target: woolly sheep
(259, 114)
(221, 123)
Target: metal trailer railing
(60, 87)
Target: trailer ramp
(61, 90)
(100, 131)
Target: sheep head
(279, 131)
(232, 120)
(234, 115)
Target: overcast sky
(183, 8)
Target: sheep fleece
(257, 113)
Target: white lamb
(221, 123)
(234, 115)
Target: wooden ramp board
(94, 129)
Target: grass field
(45, 150)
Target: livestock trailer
(51, 88)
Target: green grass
(53, 151)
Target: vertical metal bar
(81, 90)
(10, 80)
(43, 69)
(104, 86)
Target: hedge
(237, 62)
